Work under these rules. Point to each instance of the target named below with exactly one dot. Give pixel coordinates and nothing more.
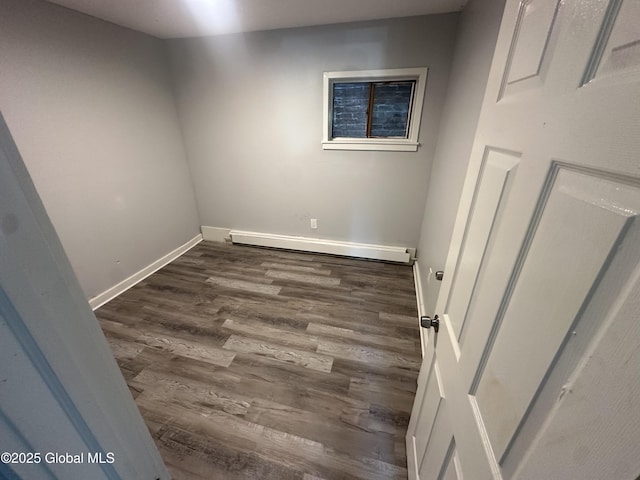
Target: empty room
(349, 239)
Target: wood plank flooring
(251, 363)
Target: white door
(534, 373)
(65, 410)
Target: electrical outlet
(314, 223)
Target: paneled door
(535, 370)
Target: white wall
(91, 109)
(478, 31)
(251, 110)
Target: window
(373, 110)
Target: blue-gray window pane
(389, 115)
(391, 103)
(350, 104)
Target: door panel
(497, 173)
(21, 417)
(428, 412)
(530, 46)
(452, 465)
(531, 37)
(598, 403)
(559, 269)
(539, 314)
(599, 318)
(435, 459)
(621, 52)
(423, 417)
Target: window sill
(375, 145)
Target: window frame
(409, 144)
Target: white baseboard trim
(215, 234)
(420, 301)
(102, 298)
(318, 245)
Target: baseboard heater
(317, 245)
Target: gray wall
(478, 32)
(251, 110)
(91, 109)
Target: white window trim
(409, 144)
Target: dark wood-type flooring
(265, 364)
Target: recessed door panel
(434, 462)
(618, 50)
(599, 402)
(530, 44)
(583, 220)
(492, 189)
(532, 37)
(451, 469)
(427, 413)
(595, 334)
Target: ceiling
(195, 18)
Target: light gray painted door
(65, 410)
(534, 372)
